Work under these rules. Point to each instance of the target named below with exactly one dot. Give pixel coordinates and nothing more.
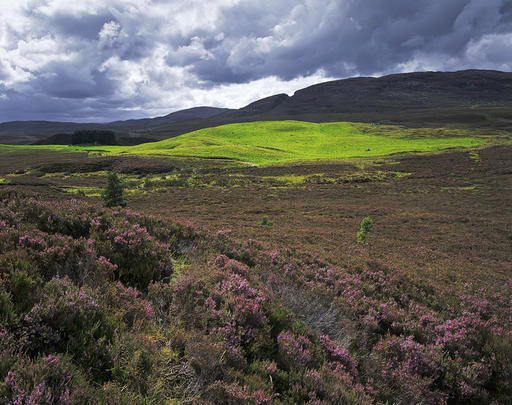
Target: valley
(234, 274)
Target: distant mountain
(182, 115)
(470, 97)
(26, 132)
(391, 94)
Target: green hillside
(275, 142)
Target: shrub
(23, 290)
(365, 230)
(137, 256)
(265, 221)
(131, 309)
(68, 319)
(113, 195)
(7, 313)
(48, 380)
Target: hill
(394, 93)
(27, 132)
(476, 98)
(470, 98)
(274, 142)
(177, 116)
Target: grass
(92, 150)
(277, 142)
(266, 143)
(442, 231)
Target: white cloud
(494, 49)
(109, 32)
(154, 56)
(236, 95)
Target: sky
(99, 61)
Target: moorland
(234, 274)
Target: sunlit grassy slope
(276, 142)
(284, 141)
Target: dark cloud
(19, 107)
(350, 37)
(126, 58)
(80, 26)
(63, 82)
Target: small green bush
(265, 221)
(365, 230)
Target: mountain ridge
(468, 97)
(54, 128)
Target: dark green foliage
(265, 221)
(113, 195)
(51, 379)
(82, 137)
(68, 319)
(365, 230)
(7, 314)
(101, 137)
(22, 287)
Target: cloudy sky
(98, 60)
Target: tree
(113, 194)
(365, 230)
(265, 221)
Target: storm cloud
(99, 61)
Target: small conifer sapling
(113, 195)
(365, 230)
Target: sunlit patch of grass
(85, 191)
(281, 142)
(56, 174)
(290, 178)
(89, 191)
(77, 175)
(459, 188)
(92, 150)
(277, 142)
(474, 155)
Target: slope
(275, 142)
(27, 132)
(469, 98)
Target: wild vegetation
(466, 99)
(285, 141)
(278, 142)
(108, 305)
(228, 283)
(113, 195)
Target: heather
(105, 305)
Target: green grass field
(277, 142)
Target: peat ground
(419, 315)
(445, 215)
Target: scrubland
(188, 296)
